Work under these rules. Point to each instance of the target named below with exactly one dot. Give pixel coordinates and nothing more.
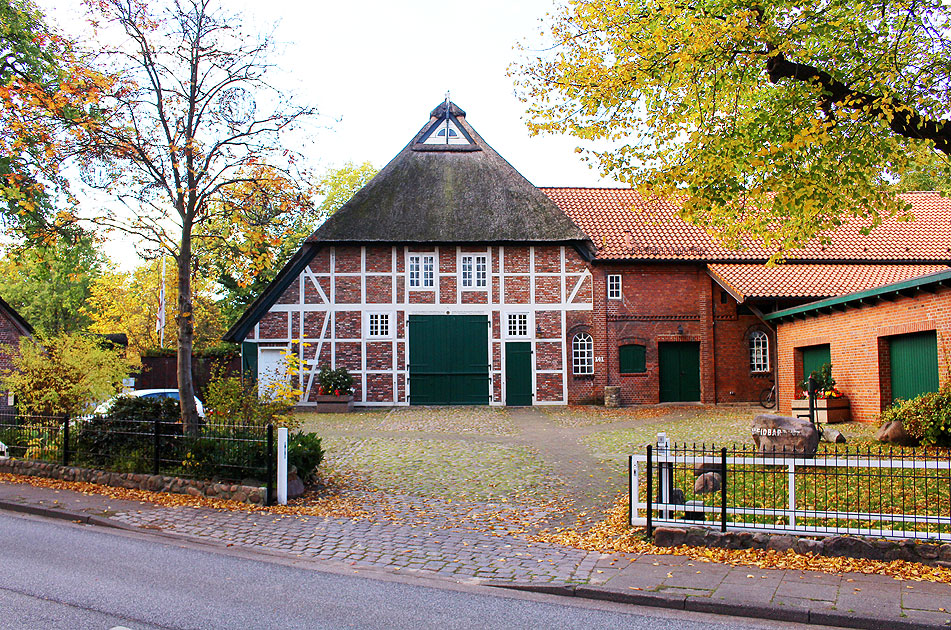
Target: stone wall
(136, 481)
(833, 546)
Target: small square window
(378, 325)
(421, 269)
(614, 287)
(518, 324)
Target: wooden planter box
(828, 410)
(334, 404)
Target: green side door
(249, 359)
(518, 373)
(914, 364)
(814, 357)
(448, 360)
(679, 371)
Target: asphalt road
(55, 574)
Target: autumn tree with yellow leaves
(772, 119)
(190, 118)
(48, 97)
(128, 302)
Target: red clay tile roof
(623, 226)
(810, 281)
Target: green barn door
(518, 373)
(679, 371)
(814, 357)
(914, 364)
(448, 360)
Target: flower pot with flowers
(334, 390)
(832, 405)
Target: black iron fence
(216, 449)
(882, 491)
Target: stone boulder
(832, 436)
(894, 433)
(704, 467)
(773, 433)
(295, 487)
(707, 483)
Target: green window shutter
(632, 359)
(249, 359)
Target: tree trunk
(186, 332)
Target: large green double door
(448, 360)
(679, 371)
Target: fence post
(723, 489)
(650, 491)
(811, 389)
(270, 465)
(665, 471)
(155, 446)
(66, 440)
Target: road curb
(65, 515)
(694, 604)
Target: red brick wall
(375, 276)
(858, 341)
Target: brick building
(886, 343)
(449, 278)
(12, 328)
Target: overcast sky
(376, 68)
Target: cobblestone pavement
(464, 540)
(523, 455)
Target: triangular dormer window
(446, 131)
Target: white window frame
(759, 352)
(510, 317)
(614, 287)
(477, 280)
(421, 282)
(368, 325)
(582, 354)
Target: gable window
(378, 324)
(422, 271)
(474, 271)
(518, 324)
(632, 359)
(759, 351)
(614, 287)
(582, 354)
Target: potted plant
(832, 405)
(334, 390)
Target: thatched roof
(449, 193)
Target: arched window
(582, 354)
(759, 351)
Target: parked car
(148, 393)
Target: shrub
(124, 439)
(235, 401)
(926, 417)
(334, 382)
(66, 374)
(825, 383)
(305, 452)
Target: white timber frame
(575, 293)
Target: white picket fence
(791, 517)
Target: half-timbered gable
(448, 279)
